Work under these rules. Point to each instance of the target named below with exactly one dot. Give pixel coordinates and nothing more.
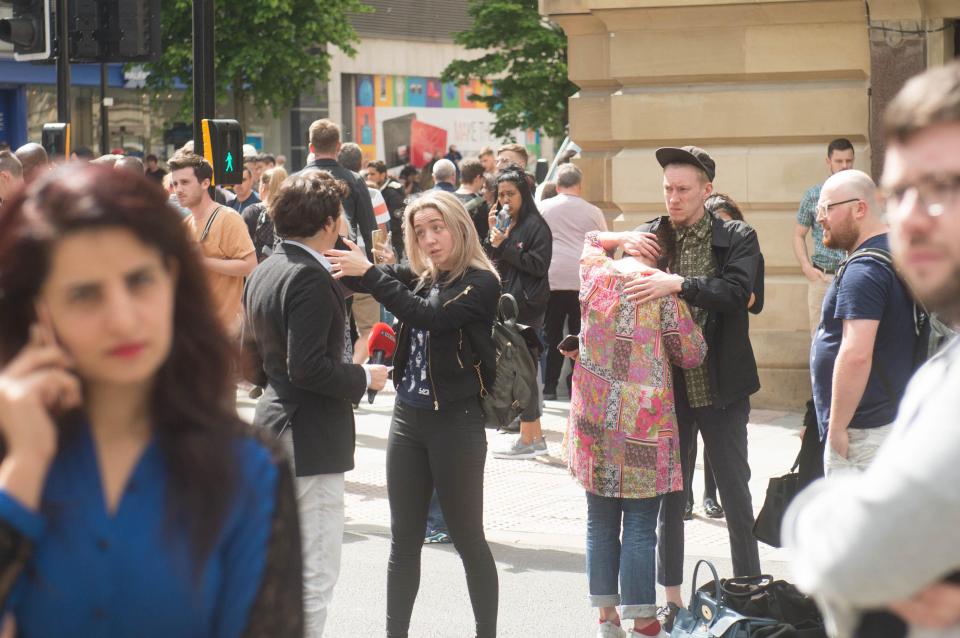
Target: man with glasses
(819, 268)
(863, 351)
(886, 539)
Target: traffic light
(29, 29)
(223, 148)
(55, 139)
(114, 30)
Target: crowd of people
(129, 486)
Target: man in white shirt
(570, 218)
(886, 539)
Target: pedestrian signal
(28, 30)
(55, 139)
(223, 148)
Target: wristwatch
(688, 289)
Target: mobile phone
(569, 343)
(378, 236)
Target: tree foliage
(527, 62)
(267, 52)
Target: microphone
(381, 345)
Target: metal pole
(204, 89)
(104, 118)
(63, 61)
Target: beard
(943, 299)
(842, 236)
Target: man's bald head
(34, 159)
(129, 163)
(852, 184)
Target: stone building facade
(764, 85)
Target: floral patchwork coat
(621, 438)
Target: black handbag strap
(716, 581)
(508, 310)
(210, 220)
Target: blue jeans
(632, 560)
(435, 522)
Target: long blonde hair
(270, 182)
(466, 243)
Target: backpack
(515, 386)
(264, 238)
(921, 318)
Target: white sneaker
(609, 630)
(521, 450)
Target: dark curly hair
(193, 394)
(305, 202)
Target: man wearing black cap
(714, 270)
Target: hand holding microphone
(380, 345)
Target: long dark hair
(193, 418)
(667, 240)
(518, 178)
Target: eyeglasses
(823, 209)
(934, 195)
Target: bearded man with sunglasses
(863, 351)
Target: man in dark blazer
(294, 340)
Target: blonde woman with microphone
(445, 300)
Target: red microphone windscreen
(382, 337)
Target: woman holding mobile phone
(522, 251)
(133, 500)
(445, 299)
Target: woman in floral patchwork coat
(622, 444)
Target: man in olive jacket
(716, 267)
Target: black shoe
(688, 511)
(712, 509)
(550, 394)
(667, 615)
(513, 427)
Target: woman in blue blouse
(133, 501)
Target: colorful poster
(384, 90)
(416, 91)
(414, 120)
(399, 90)
(451, 96)
(434, 98)
(365, 90)
(366, 131)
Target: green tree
(267, 52)
(527, 63)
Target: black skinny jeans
(724, 432)
(445, 449)
(564, 306)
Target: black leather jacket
(461, 356)
(523, 259)
(730, 360)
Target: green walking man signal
(223, 148)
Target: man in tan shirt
(228, 252)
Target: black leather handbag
(780, 492)
(708, 616)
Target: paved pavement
(535, 518)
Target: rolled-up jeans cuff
(605, 600)
(632, 612)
